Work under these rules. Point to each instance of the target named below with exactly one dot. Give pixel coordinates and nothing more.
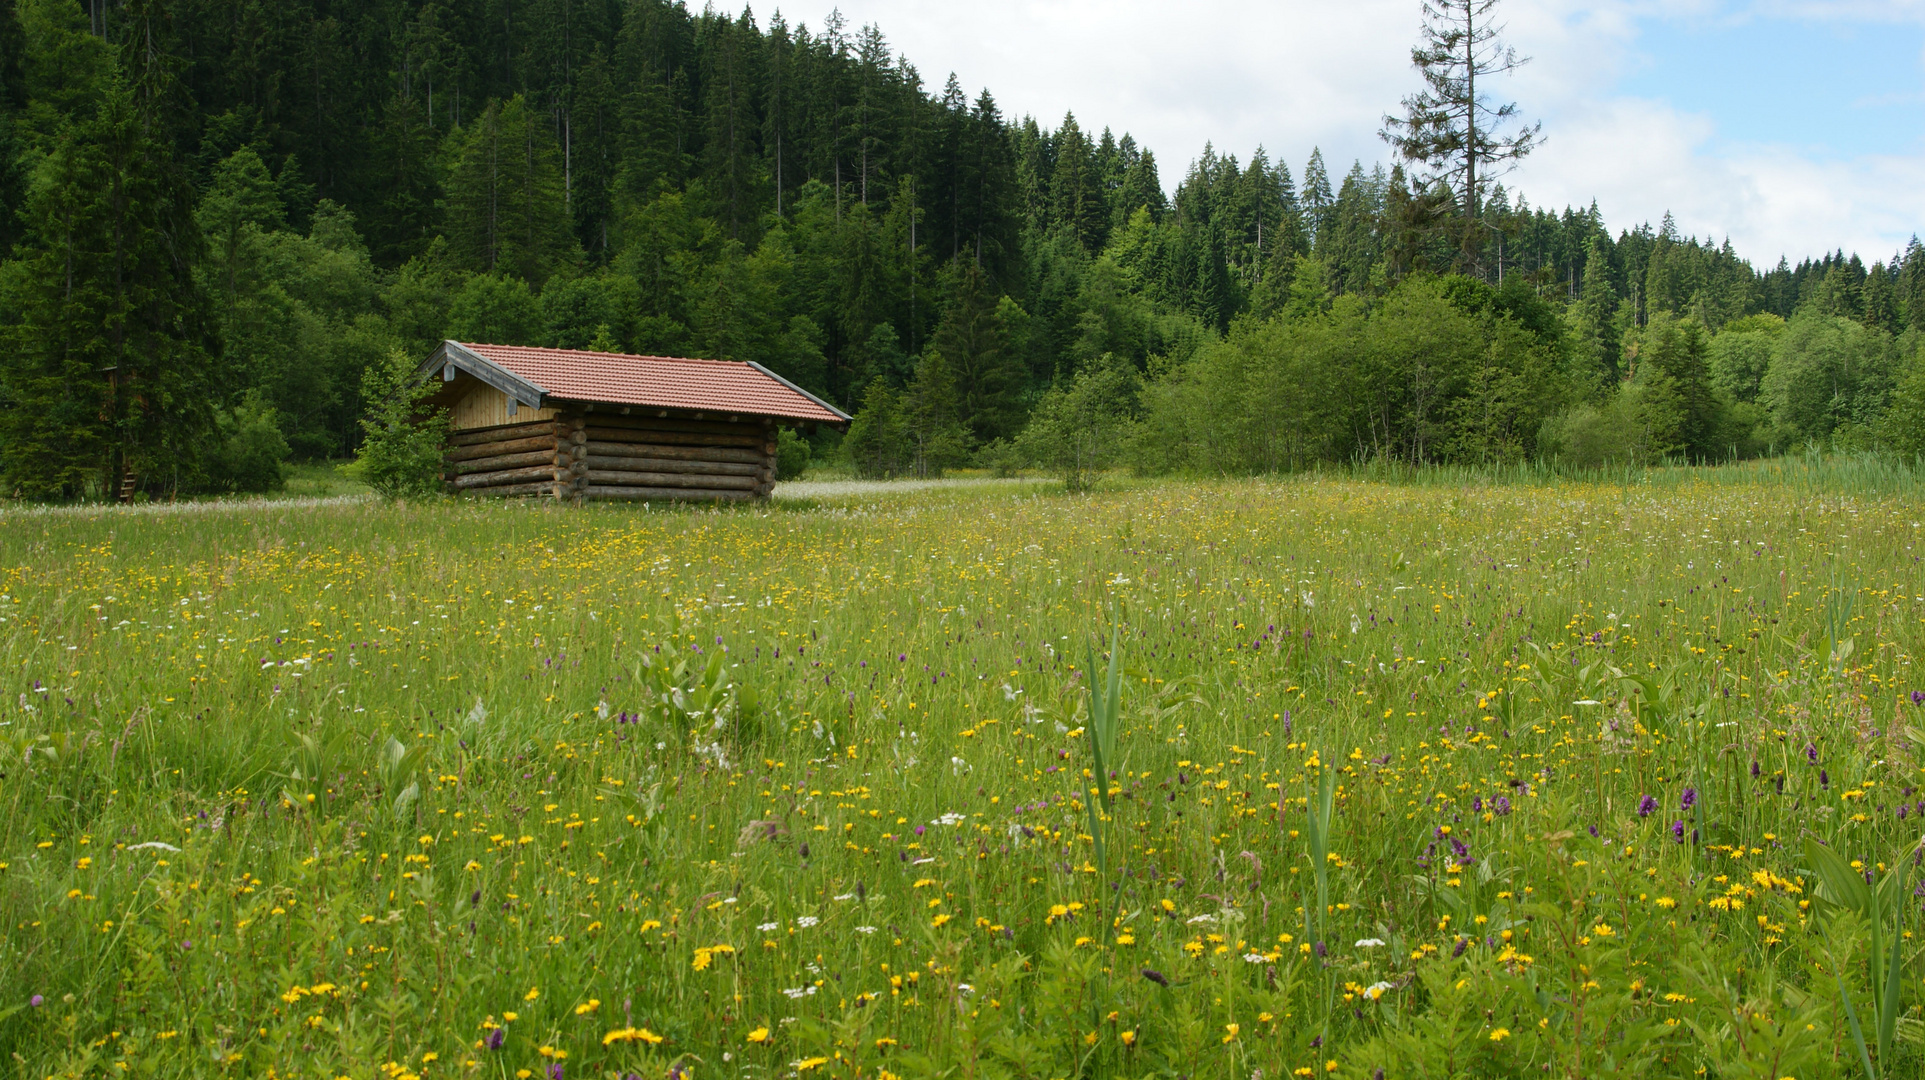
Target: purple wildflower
(36, 1001)
(1501, 806)
(497, 1036)
(1677, 831)
(1690, 798)
(1811, 753)
(1155, 976)
(1647, 806)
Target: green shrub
(1081, 429)
(792, 453)
(400, 456)
(252, 449)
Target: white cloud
(1296, 74)
(1641, 158)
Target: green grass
(319, 480)
(459, 789)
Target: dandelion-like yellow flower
(759, 1035)
(631, 1034)
(1500, 1034)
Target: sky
(1792, 128)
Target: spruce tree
(1451, 126)
(1678, 406)
(1881, 300)
(973, 346)
(1595, 358)
(1318, 201)
(242, 195)
(13, 98)
(1911, 285)
(732, 165)
(402, 182)
(505, 202)
(1075, 188)
(991, 207)
(111, 372)
(1140, 188)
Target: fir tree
(13, 98)
(111, 372)
(1075, 189)
(1318, 201)
(1881, 300)
(1911, 285)
(1451, 125)
(1595, 361)
(505, 195)
(973, 346)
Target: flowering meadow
(1396, 780)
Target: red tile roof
(659, 381)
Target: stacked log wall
(608, 455)
(654, 457)
(540, 458)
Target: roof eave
(466, 359)
(843, 417)
(685, 412)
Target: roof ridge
(596, 352)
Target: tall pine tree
(506, 212)
(111, 373)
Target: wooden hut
(569, 424)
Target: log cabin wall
(723, 459)
(536, 458)
(588, 453)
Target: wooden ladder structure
(129, 483)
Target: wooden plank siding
(584, 452)
(484, 406)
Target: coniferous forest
(225, 218)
